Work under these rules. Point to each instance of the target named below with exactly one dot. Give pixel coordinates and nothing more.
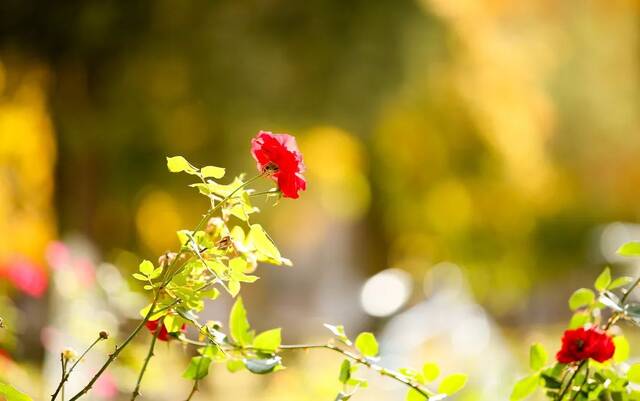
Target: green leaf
(263, 243)
(630, 249)
(198, 368)
(367, 345)
(603, 280)
(139, 276)
(262, 366)
(621, 353)
(239, 325)
(235, 365)
(339, 332)
(146, 267)
(452, 383)
(415, 395)
(633, 374)
(430, 371)
(581, 297)
(155, 273)
(579, 319)
(268, 340)
(620, 282)
(537, 357)
(345, 371)
(173, 323)
(212, 172)
(524, 387)
(177, 164)
(12, 394)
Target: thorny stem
(570, 382)
(118, 349)
(195, 383)
(351, 355)
(66, 374)
(136, 391)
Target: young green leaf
(339, 332)
(146, 267)
(633, 374)
(212, 172)
(630, 249)
(524, 387)
(198, 368)
(537, 357)
(603, 280)
(452, 383)
(580, 298)
(262, 242)
(239, 325)
(12, 394)
(430, 371)
(367, 345)
(620, 282)
(177, 164)
(139, 276)
(345, 371)
(268, 340)
(415, 395)
(621, 352)
(235, 365)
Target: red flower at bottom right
(581, 344)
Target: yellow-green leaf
(633, 374)
(367, 345)
(268, 340)
(452, 383)
(580, 298)
(239, 325)
(146, 267)
(12, 394)
(212, 172)
(178, 164)
(621, 353)
(430, 371)
(537, 357)
(630, 249)
(524, 387)
(262, 242)
(603, 280)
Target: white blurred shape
(471, 336)
(613, 236)
(385, 292)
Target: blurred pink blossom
(26, 276)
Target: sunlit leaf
(212, 172)
(235, 365)
(262, 242)
(139, 276)
(177, 164)
(537, 357)
(430, 371)
(603, 280)
(452, 383)
(630, 249)
(580, 298)
(579, 319)
(198, 368)
(339, 332)
(146, 267)
(239, 325)
(367, 345)
(620, 282)
(524, 388)
(415, 395)
(633, 374)
(345, 371)
(621, 353)
(268, 340)
(11, 394)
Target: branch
(136, 391)
(65, 374)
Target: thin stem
(63, 366)
(118, 349)
(136, 391)
(357, 358)
(151, 311)
(193, 390)
(573, 376)
(586, 377)
(66, 374)
(629, 290)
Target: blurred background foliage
(499, 136)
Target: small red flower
(581, 344)
(163, 335)
(278, 155)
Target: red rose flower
(278, 155)
(581, 344)
(163, 335)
